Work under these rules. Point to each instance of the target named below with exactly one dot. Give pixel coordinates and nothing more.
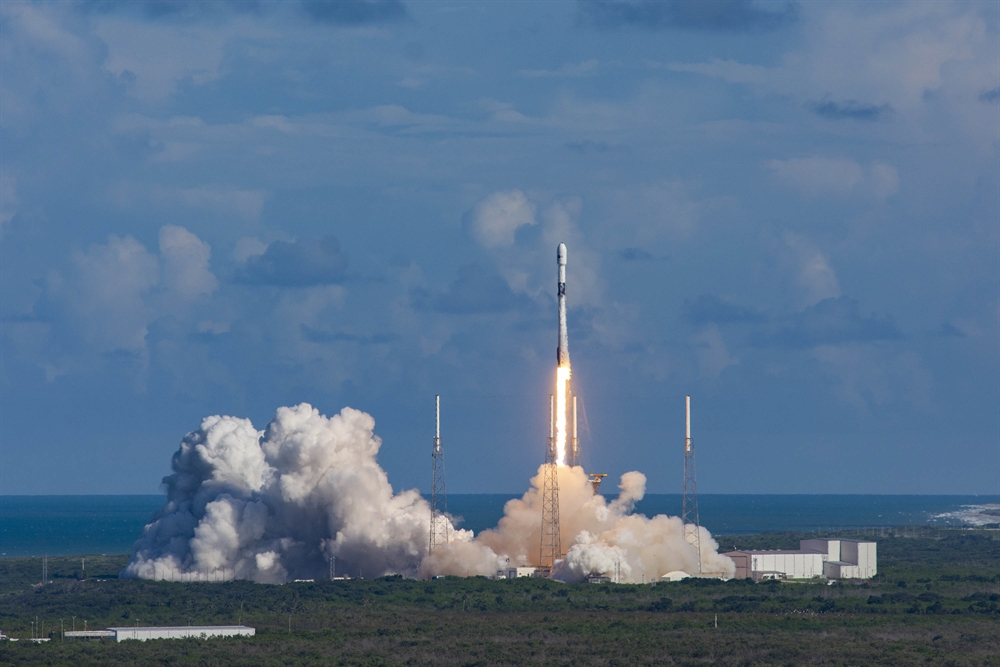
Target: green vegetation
(935, 601)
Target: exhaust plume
(278, 504)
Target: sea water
(69, 525)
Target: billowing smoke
(279, 504)
(602, 537)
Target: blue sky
(789, 211)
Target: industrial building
(518, 572)
(170, 632)
(818, 558)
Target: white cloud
(497, 218)
(185, 272)
(113, 291)
(248, 247)
(155, 56)
(105, 292)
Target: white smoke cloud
(597, 536)
(277, 504)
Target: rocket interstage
(563, 371)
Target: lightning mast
(551, 549)
(439, 499)
(689, 501)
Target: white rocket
(562, 352)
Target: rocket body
(562, 351)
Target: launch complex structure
(562, 448)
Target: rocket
(562, 351)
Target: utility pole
(551, 547)
(439, 498)
(689, 500)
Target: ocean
(69, 525)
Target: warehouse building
(141, 633)
(821, 558)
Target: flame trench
(563, 374)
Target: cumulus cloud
(135, 51)
(299, 263)
(278, 504)
(112, 291)
(497, 218)
(105, 292)
(185, 272)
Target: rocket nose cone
(561, 253)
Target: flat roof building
(142, 633)
(818, 558)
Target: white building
(518, 572)
(832, 559)
(143, 633)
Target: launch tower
(689, 501)
(439, 499)
(551, 549)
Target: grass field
(936, 601)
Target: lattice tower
(439, 498)
(551, 549)
(689, 500)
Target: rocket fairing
(562, 351)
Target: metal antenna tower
(439, 499)
(689, 501)
(551, 550)
(574, 453)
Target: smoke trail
(278, 504)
